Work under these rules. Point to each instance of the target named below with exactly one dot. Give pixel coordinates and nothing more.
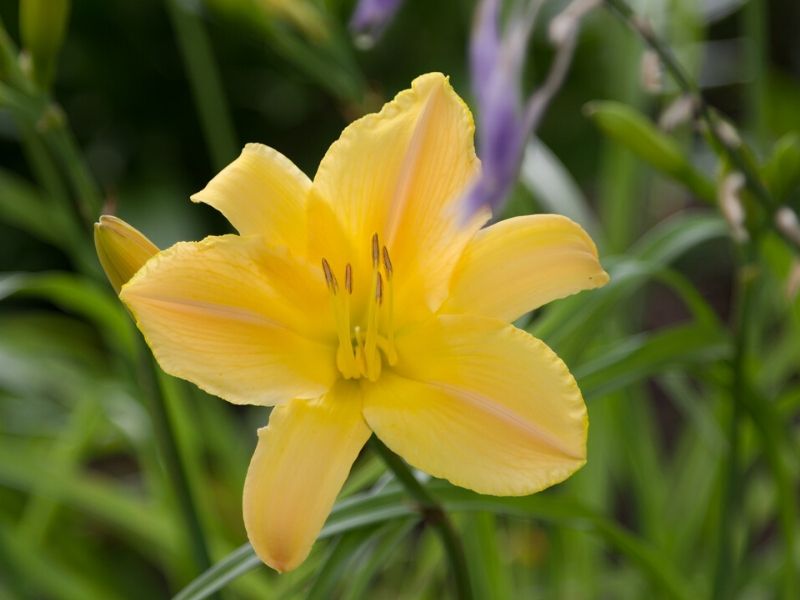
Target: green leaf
(674, 237)
(781, 171)
(646, 354)
(569, 324)
(554, 187)
(44, 575)
(346, 550)
(489, 576)
(326, 57)
(633, 130)
(23, 207)
(22, 466)
(78, 295)
(380, 552)
(368, 509)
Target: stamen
(362, 348)
(387, 264)
(330, 278)
(376, 251)
(348, 278)
(391, 353)
(345, 361)
(371, 356)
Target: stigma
(363, 342)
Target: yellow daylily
(363, 302)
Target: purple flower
(496, 60)
(370, 19)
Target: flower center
(361, 345)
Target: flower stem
(205, 80)
(723, 582)
(173, 461)
(433, 514)
(733, 149)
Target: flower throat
(360, 348)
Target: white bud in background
(651, 72)
(730, 203)
(793, 281)
(787, 223)
(728, 134)
(678, 112)
(565, 23)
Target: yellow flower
(364, 302)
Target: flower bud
(787, 222)
(793, 281)
(730, 203)
(565, 23)
(122, 250)
(651, 72)
(42, 25)
(678, 112)
(370, 19)
(728, 134)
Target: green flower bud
(122, 249)
(42, 25)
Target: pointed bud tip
(121, 249)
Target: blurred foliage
(682, 496)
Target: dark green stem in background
(434, 515)
(732, 148)
(209, 98)
(724, 578)
(175, 469)
(754, 26)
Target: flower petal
(261, 193)
(519, 264)
(400, 173)
(237, 318)
(482, 404)
(300, 464)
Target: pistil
(360, 348)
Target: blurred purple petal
(484, 47)
(370, 19)
(496, 66)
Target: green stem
(40, 115)
(433, 514)
(176, 471)
(60, 140)
(768, 424)
(732, 149)
(732, 492)
(754, 25)
(204, 78)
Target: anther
(348, 278)
(330, 278)
(379, 289)
(376, 250)
(387, 263)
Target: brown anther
(379, 289)
(330, 278)
(387, 263)
(376, 250)
(348, 278)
